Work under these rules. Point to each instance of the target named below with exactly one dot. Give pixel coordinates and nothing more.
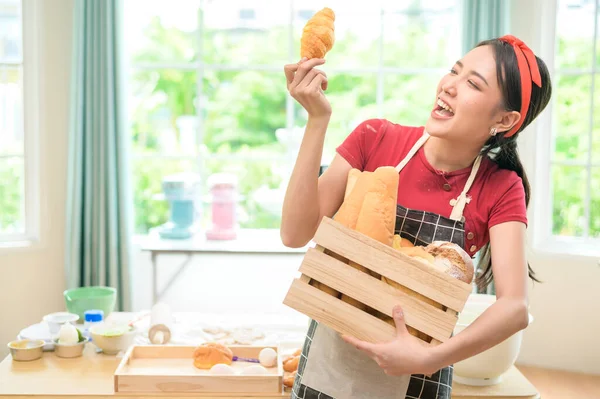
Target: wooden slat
(377, 294)
(336, 314)
(393, 264)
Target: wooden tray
(170, 368)
(322, 264)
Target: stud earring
(493, 131)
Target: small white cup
(57, 319)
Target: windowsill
(570, 246)
(18, 243)
(255, 241)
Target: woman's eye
(473, 84)
(453, 71)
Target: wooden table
(92, 376)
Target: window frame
(30, 47)
(541, 205)
(380, 70)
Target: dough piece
(222, 369)
(268, 357)
(318, 34)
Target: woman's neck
(447, 156)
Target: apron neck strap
(412, 151)
(458, 204)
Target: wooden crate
(322, 265)
(169, 369)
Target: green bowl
(78, 300)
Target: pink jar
(223, 198)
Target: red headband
(529, 71)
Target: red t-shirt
(497, 195)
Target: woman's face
(468, 101)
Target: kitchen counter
(92, 376)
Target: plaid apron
(421, 228)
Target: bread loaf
(346, 215)
(376, 216)
(445, 256)
(454, 260)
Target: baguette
(377, 215)
(347, 217)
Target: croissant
(318, 34)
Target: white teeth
(444, 105)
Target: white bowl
(112, 339)
(57, 319)
(485, 368)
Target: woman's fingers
(290, 70)
(307, 86)
(319, 83)
(304, 68)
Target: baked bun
(209, 354)
(452, 259)
(401, 242)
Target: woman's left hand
(404, 355)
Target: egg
(267, 357)
(255, 369)
(68, 334)
(222, 369)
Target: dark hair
(503, 150)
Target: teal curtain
(98, 208)
(484, 19)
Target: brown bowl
(25, 350)
(70, 350)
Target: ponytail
(506, 157)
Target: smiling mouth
(442, 109)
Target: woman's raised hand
(306, 85)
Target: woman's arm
(408, 355)
(309, 197)
(509, 314)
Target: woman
(461, 180)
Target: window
(575, 160)
(17, 151)
(208, 94)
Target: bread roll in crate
(360, 270)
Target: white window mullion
(380, 74)
(588, 184)
(277, 69)
(289, 101)
(211, 157)
(199, 92)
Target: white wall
(566, 307)
(32, 281)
